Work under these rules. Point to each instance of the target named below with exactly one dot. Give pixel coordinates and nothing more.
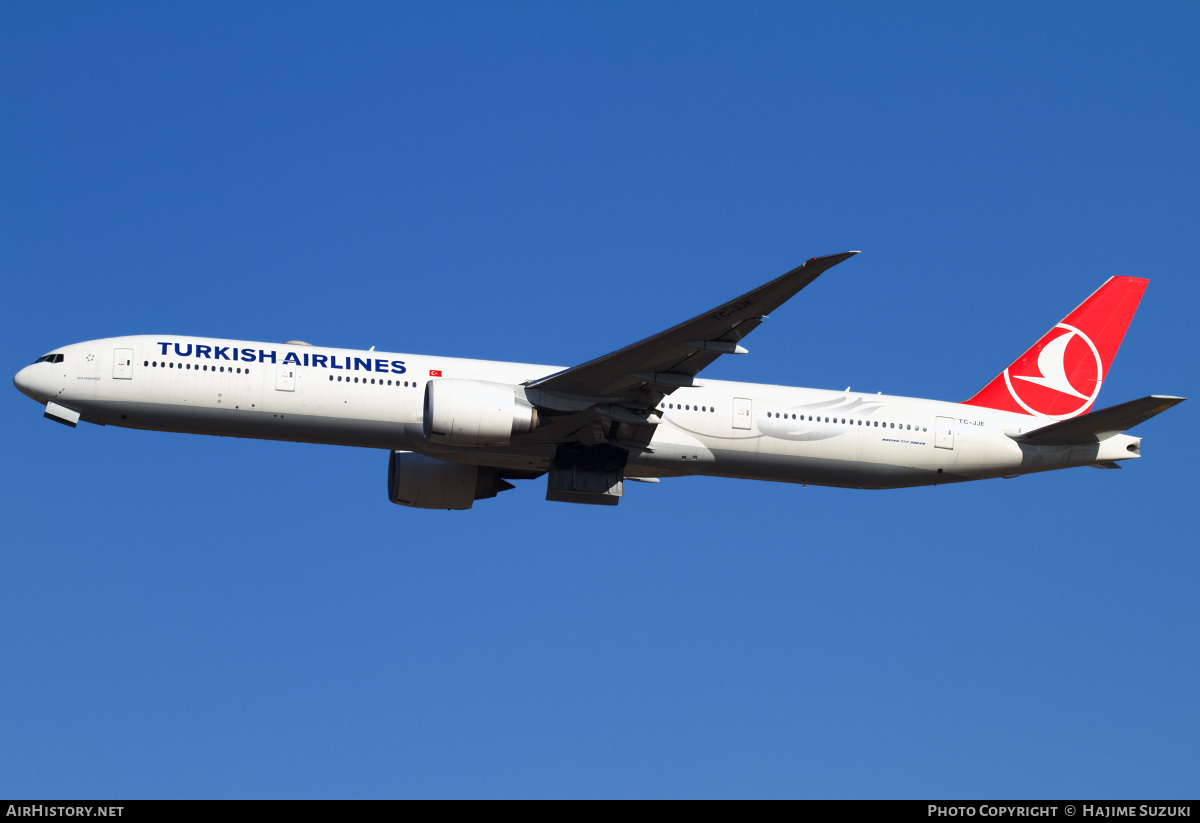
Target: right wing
(641, 374)
(625, 386)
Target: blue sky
(207, 617)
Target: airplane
(457, 430)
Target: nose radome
(26, 381)
(21, 380)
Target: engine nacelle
(475, 413)
(428, 483)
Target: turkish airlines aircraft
(458, 430)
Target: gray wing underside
(628, 384)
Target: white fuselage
(376, 400)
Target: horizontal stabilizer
(1096, 426)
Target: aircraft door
(122, 364)
(943, 433)
(285, 378)
(743, 412)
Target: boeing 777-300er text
(457, 430)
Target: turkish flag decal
(435, 372)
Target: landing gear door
(943, 433)
(285, 378)
(743, 412)
(122, 364)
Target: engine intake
(475, 413)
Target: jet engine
(428, 483)
(475, 413)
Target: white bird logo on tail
(1052, 366)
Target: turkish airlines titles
(315, 359)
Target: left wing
(626, 385)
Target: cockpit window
(49, 358)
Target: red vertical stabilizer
(1061, 375)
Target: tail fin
(1061, 375)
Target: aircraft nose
(24, 381)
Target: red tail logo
(1061, 375)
